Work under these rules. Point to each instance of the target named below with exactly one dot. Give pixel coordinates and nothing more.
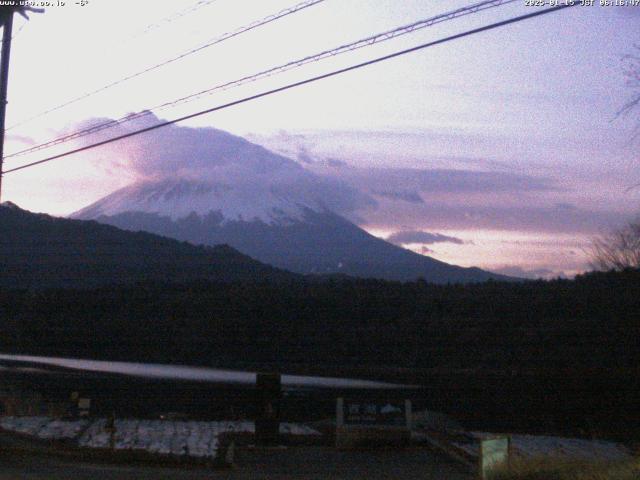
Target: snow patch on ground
(538, 445)
(297, 429)
(179, 438)
(195, 439)
(43, 427)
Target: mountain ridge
(41, 251)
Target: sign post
(372, 421)
(84, 404)
(494, 452)
(268, 394)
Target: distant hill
(38, 250)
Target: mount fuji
(206, 186)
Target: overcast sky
(501, 150)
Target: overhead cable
(307, 81)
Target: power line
(226, 36)
(301, 83)
(177, 15)
(365, 42)
(374, 39)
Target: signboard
(367, 412)
(84, 404)
(494, 452)
(372, 421)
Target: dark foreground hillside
(557, 356)
(38, 251)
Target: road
(295, 462)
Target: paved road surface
(293, 463)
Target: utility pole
(6, 19)
(7, 27)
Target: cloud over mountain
(221, 160)
(407, 237)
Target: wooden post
(110, 427)
(340, 412)
(408, 411)
(268, 393)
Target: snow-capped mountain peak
(178, 198)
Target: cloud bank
(220, 159)
(477, 194)
(406, 237)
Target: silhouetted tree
(631, 70)
(617, 250)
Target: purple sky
(501, 150)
